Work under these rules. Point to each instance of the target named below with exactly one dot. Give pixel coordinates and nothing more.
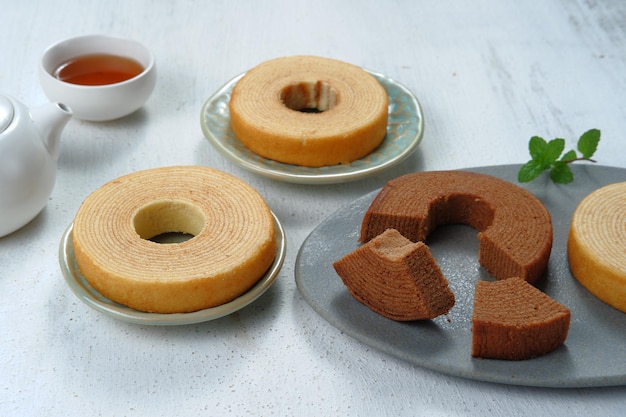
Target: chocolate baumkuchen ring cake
(396, 278)
(309, 111)
(233, 241)
(513, 320)
(596, 246)
(515, 229)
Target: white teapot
(29, 148)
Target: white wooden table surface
(489, 74)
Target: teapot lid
(6, 113)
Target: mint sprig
(547, 156)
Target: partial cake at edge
(596, 246)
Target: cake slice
(396, 278)
(513, 320)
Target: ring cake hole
(465, 209)
(309, 96)
(168, 221)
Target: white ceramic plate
(404, 132)
(86, 293)
(593, 354)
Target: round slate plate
(593, 354)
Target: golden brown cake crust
(596, 244)
(513, 320)
(515, 229)
(233, 244)
(396, 278)
(267, 111)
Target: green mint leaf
(552, 152)
(537, 147)
(530, 170)
(547, 156)
(588, 143)
(561, 173)
(569, 156)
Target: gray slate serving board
(594, 353)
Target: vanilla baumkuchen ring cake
(596, 244)
(233, 241)
(309, 111)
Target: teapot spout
(50, 120)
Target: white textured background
(489, 75)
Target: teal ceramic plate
(404, 132)
(593, 354)
(86, 293)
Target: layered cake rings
(596, 246)
(233, 241)
(396, 278)
(514, 320)
(309, 111)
